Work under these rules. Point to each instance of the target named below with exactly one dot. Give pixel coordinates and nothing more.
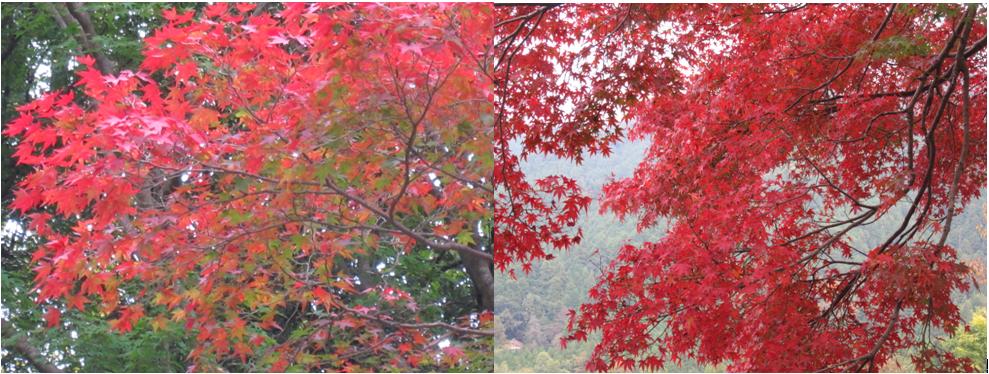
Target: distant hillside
(530, 311)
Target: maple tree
(242, 181)
(776, 132)
(39, 41)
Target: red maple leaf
(52, 317)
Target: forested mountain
(531, 309)
(530, 312)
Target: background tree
(778, 133)
(970, 343)
(288, 185)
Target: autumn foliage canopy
(776, 133)
(244, 182)
(239, 173)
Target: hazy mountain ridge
(532, 309)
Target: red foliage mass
(302, 135)
(776, 132)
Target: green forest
(530, 311)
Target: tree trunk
(481, 272)
(85, 37)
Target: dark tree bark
(482, 276)
(85, 38)
(481, 272)
(23, 347)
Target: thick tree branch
(31, 353)
(9, 46)
(81, 17)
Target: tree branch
(419, 325)
(966, 108)
(871, 355)
(81, 17)
(31, 353)
(445, 245)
